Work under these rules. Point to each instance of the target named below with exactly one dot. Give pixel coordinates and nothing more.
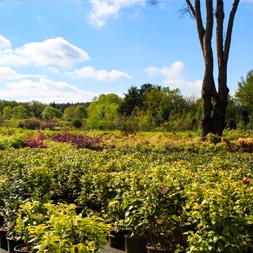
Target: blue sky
(74, 50)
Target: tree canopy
(244, 94)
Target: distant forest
(147, 108)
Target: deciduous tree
(50, 113)
(245, 92)
(244, 96)
(214, 98)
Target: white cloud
(56, 51)
(173, 71)
(104, 9)
(49, 56)
(101, 75)
(9, 58)
(187, 88)
(7, 73)
(4, 43)
(53, 70)
(44, 90)
(173, 78)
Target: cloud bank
(173, 78)
(44, 90)
(51, 57)
(100, 75)
(55, 51)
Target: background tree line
(147, 108)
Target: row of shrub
(195, 196)
(38, 140)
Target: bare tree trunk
(214, 103)
(222, 50)
(219, 114)
(207, 103)
(220, 106)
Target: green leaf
(175, 218)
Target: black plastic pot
(22, 248)
(12, 243)
(117, 240)
(1, 220)
(134, 244)
(3, 240)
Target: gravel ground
(108, 249)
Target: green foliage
(36, 108)
(102, 112)
(50, 113)
(57, 228)
(14, 141)
(7, 112)
(19, 112)
(245, 91)
(80, 112)
(169, 187)
(222, 215)
(69, 112)
(77, 123)
(147, 108)
(153, 107)
(153, 209)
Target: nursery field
(173, 190)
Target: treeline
(147, 108)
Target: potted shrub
(62, 230)
(115, 212)
(13, 239)
(12, 198)
(220, 211)
(29, 213)
(153, 208)
(164, 221)
(129, 206)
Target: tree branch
(229, 29)
(209, 20)
(196, 13)
(189, 4)
(219, 30)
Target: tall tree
(214, 100)
(69, 112)
(19, 112)
(244, 97)
(50, 113)
(80, 112)
(245, 92)
(103, 110)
